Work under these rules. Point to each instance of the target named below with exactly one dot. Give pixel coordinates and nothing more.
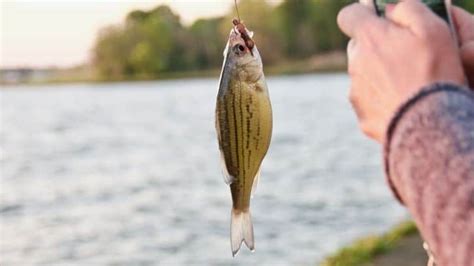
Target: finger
(355, 18)
(464, 24)
(467, 55)
(358, 97)
(364, 117)
(355, 59)
(355, 102)
(415, 15)
(351, 54)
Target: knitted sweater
(429, 161)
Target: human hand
(464, 24)
(392, 59)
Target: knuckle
(367, 129)
(364, 126)
(352, 97)
(353, 93)
(355, 103)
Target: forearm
(429, 158)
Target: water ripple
(128, 174)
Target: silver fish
(244, 128)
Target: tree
(109, 45)
(148, 44)
(207, 44)
(326, 32)
(296, 26)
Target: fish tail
(241, 230)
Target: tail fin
(241, 230)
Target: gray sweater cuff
(439, 98)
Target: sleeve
(429, 162)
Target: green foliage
(466, 4)
(109, 44)
(150, 44)
(207, 43)
(154, 42)
(297, 22)
(364, 250)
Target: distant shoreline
(324, 63)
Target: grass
(364, 250)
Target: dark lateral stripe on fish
(242, 143)
(239, 103)
(228, 155)
(228, 150)
(234, 140)
(249, 117)
(249, 127)
(242, 131)
(258, 136)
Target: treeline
(152, 42)
(155, 42)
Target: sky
(61, 33)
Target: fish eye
(239, 49)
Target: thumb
(415, 15)
(464, 24)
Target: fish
(244, 128)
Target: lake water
(128, 174)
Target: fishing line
(237, 9)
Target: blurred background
(108, 150)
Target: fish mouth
(236, 38)
(241, 38)
(237, 45)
